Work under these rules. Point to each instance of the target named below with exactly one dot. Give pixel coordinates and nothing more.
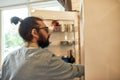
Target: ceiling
(7, 3)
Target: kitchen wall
(75, 4)
(102, 39)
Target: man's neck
(31, 44)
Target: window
(11, 38)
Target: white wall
(102, 39)
(75, 4)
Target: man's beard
(42, 42)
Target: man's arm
(63, 70)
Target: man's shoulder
(12, 54)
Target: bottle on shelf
(71, 57)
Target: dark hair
(26, 26)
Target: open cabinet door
(65, 38)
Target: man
(34, 61)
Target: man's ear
(34, 33)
